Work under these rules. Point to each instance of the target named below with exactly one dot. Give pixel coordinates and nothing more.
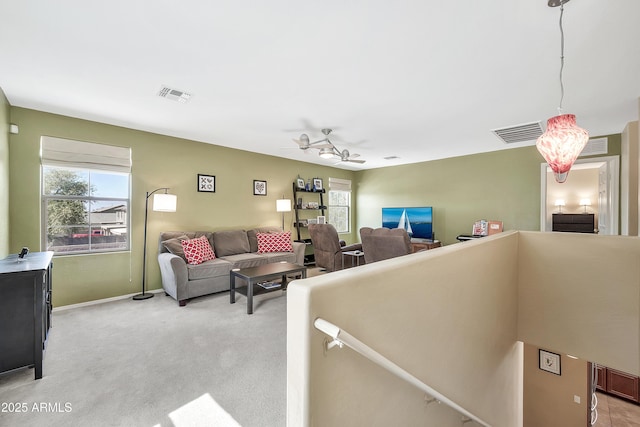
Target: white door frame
(613, 166)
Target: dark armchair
(327, 249)
(384, 243)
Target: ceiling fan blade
(354, 155)
(320, 144)
(303, 142)
(356, 161)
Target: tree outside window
(85, 210)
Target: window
(85, 197)
(340, 204)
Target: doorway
(596, 181)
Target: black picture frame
(206, 183)
(259, 187)
(548, 361)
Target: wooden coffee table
(254, 275)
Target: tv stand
(424, 244)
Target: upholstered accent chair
(383, 243)
(327, 248)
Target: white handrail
(341, 337)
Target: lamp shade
(165, 202)
(283, 205)
(561, 144)
(560, 202)
(585, 202)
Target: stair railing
(341, 338)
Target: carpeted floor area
(152, 363)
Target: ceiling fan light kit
(326, 153)
(326, 148)
(562, 142)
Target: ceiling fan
(345, 156)
(326, 147)
(304, 143)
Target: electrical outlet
(576, 398)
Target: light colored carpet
(152, 363)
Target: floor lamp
(161, 203)
(283, 205)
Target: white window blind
(85, 155)
(337, 184)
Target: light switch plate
(576, 398)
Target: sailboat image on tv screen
(418, 221)
(405, 223)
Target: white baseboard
(102, 301)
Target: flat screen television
(418, 221)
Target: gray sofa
(233, 249)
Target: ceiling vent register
(519, 133)
(595, 146)
(174, 94)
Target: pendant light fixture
(563, 140)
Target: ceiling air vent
(174, 94)
(595, 146)
(519, 133)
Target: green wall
(4, 175)
(501, 185)
(158, 161)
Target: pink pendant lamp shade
(561, 144)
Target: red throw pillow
(274, 242)
(197, 250)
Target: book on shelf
(269, 285)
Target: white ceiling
(416, 79)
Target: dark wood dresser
(574, 223)
(25, 310)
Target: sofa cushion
(167, 235)
(252, 235)
(246, 260)
(197, 250)
(280, 257)
(208, 269)
(274, 242)
(175, 245)
(230, 242)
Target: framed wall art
(317, 184)
(259, 187)
(206, 183)
(300, 183)
(549, 361)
